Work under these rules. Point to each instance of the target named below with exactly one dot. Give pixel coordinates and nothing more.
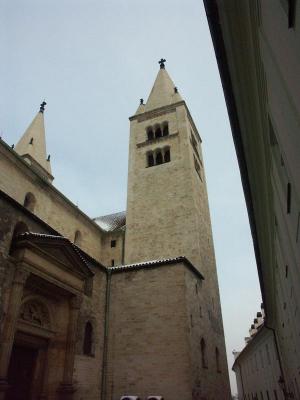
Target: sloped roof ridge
(47, 236)
(145, 264)
(111, 222)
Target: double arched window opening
(157, 131)
(158, 156)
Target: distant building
(257, 45)
(123, 304)
(257, 366)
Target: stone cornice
(165, 110)
(157, 140)
(157, 263)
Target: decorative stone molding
(20, 276)
(36, 313)
(159, 139)
(75, 302)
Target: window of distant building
(113, 243)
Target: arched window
(29, 202)
(218, 360)
(20, 227)
(88, 339)
(165, 129)
(203, 353)
(167, 156)
(158, 132)
(159, 158)
(150, 134)
(150, 160)
(77, 238)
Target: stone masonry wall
(16, 179)
(210, 381)
(88, 369)
(148, 334)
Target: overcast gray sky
(92, 60)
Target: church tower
(168, 216)
(167, 206)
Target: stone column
(67, 387)
(9, 326)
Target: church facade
(123, 304)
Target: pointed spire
(164, 92)
(32, 145)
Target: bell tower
(168, 216)
(167, 206)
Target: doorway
(26, 371)
(20, 372)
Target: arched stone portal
(39, 329)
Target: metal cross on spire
(161, 62)
(42, 106)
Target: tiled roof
(155, 263)
(112, 222)
(29, 235)
(120, 268)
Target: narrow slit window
(159, 158)
(113, 243)
(29, 202)
(150, 160)
(203, 353)
(166, 130)
(158, 132)
(150, 134)
(288, 198)
(218, 360)
(167, 156)
(77, 238)
(88, 339)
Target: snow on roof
(112, 222)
